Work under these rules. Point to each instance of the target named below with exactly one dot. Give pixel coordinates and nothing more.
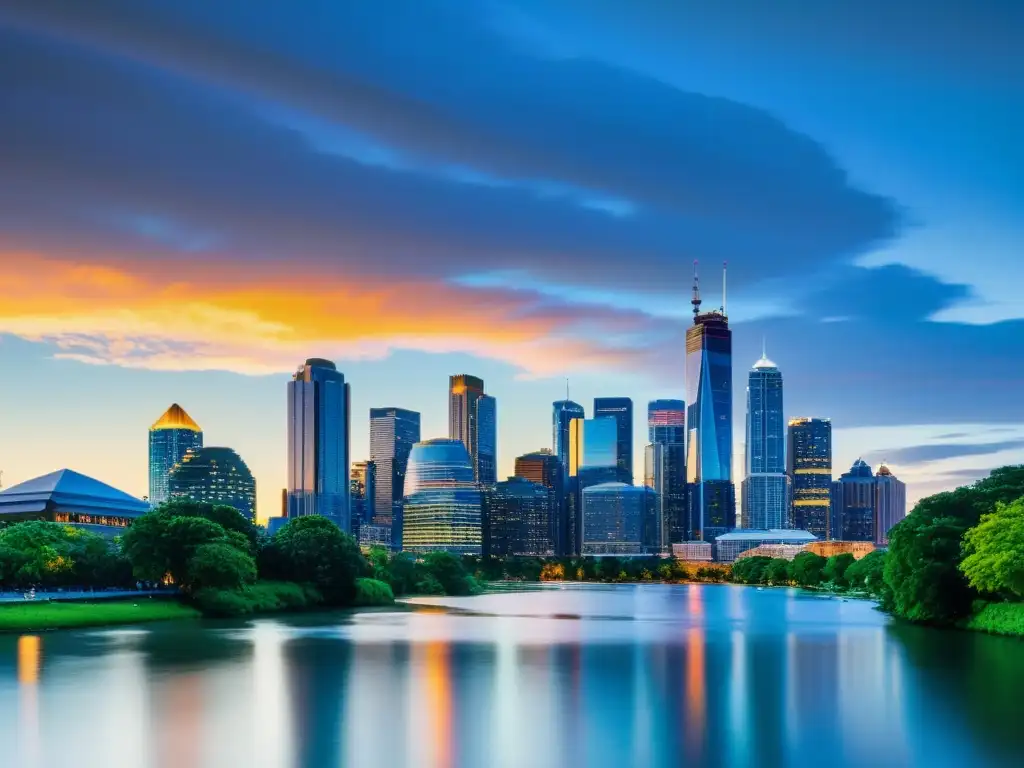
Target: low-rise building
(693, 551)
(774, 551)
(828, 548)
(729, 545)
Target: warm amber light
(29, 654)
(175, 417)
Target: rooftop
(175, 417)
(69, 490)
(777, 534)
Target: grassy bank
(24, 617)
(999, 619)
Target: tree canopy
(995, 551)
(313, 550)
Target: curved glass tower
(442, 502)
(765, 487)
(172, 436)
(215, 476)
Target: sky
(195, 197)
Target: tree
(159, 544)
(313, 550)
(450, 573)
(750, 570)
(806, 569)
(54, 554)
(868, 572)
(227, 517)
(836, 567)
(777, 572)
(995, 551)
(220, 566)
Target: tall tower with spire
(709, 420)
(172, 436)
(765, 485)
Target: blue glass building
(666, 427)
(709, 421)
(215, 476)
(593, 459)
(614, 517)
(442, 507)
(621, 410)
(393, 433)
(172, 436)
(517, 518)
(853, 504)
(485, 467)
(318, 443)
(765, 486)
(563, 412)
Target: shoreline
(49, 616)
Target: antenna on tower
(567, 388)
(764, 348)
(724, 265)
(696, 291)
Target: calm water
(580, 676)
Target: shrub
(261, 597)
(220, 566)
(313, 550)
(373, 592)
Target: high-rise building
(362, 490)
(215, 476)
(655, 471)
(593, 459)
(613, 518)
(666, 426)
(709, 421)
(852, 512)
(318, 443)
(765, 485)
(170, 438)
(890, 504)
(809, 466)
(563, 412)
(442, 509)
(393, 433)
(485, 467)
(544, 468)
(620, 409)
(463, 392)
(517, 518)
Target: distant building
(809, 466)
(829, 548)
(215, 476)
(68, 497)
(463, 393)
(765, 485)
(544, 468)
(853, 504)
(613, 518)
(442, 507)
(774, 551)
(563, 412)
(517, 518)
(709, 422)
(729, 545)
(485, 467)
(393, 433)
(890, 504)
(666, 426)
(621, 410)
(319, 425)
(593, 460)
(362, 489)
(693, 551)
(172, 436)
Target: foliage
(313, 550)
(51, 555)
(806, 569)
(995, 551)
(708, 573)
(373, 592)
(23, 617)
(220, 566)
(450, 573)
(836, 567)
(261, 597)
(999, 619)
(868, 573)
(750, 570)
(777, 572)
(428, 585)
(227, 517)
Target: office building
(890, 504)
(852, 513)
(828, 549)
(655, 526)
(544, 468)
(765, 487)
(318, 443)
(172, 436)
(709, 421)
(563, 412)
(666, 426)
(809, 466)
(442, 506)
(593, 460)
(613, 518)
(463, 392)
(362, 489)
(393, 433)
(621, 410)
(485, 467)
(730, 545)
(517, 518)
(215, 476)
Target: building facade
(485, 466)
(621, 410)
(215, 476)
(318, 443)
(393, 433)
(890, 504)
(362, 489)
(666, 426)
(517, 518)
(442, 506)
(463, 392)
(613, 518)
(562, 413)
(593, 460)
(544, 468)
(172, 436)
(809, 466)
(853, 504)
(765, 488)
(709, 422)
(729, 546)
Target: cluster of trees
(51, 556)
(838, 572)
(437, 573)
(602, 569)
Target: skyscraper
(620, 409)
(613, 518)
(655, 524)
(362, 490)
(442, 510)
(393, 433)
(809, 466)
(215, 476)
(544, 468)
(890, 504)
(170, 438)
(485, 467)
(666, 426)
(593, 459)
(765, 486)
(709, 421)
(517, 518)
(563, 412)
(852, 513)
(463, 392)
(318, 443)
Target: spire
(764, 349)
(566, 389)
(696, 291)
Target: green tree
(750, 570)
(868, 573)
(995, 551)
(450, 573)
(401, 573)
(806, 569)
(53, 554)
(159, 544)
(836, 567)
(777, 572)
(219, 565)
(227, 517)
(313, 550)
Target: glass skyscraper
(709, 421)
(544, 468)
(362, 489)
(620, 409)
(666, 426)
(765, 484)
(393, 433)
(613, 518)
(563, 412)
(318, 443)
(170, 438)
(809, 465)
(518, 518)
(485, 467)
(890, 504)
(593, 459)
(463, 392)
(442, 510)
(215, 476)
(852, 515)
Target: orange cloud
(238, 317)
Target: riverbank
(1005, 619)
(40, 617)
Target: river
(589, 676)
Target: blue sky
(197, 196)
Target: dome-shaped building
(442, 503)
(215, 476)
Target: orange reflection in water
(439, 692)
(696, 701)
(694, 601)
(30, 655)
(179, 722)
(29, 659)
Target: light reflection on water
(597, 676)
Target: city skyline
(409, 220)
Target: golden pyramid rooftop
(175, 417)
